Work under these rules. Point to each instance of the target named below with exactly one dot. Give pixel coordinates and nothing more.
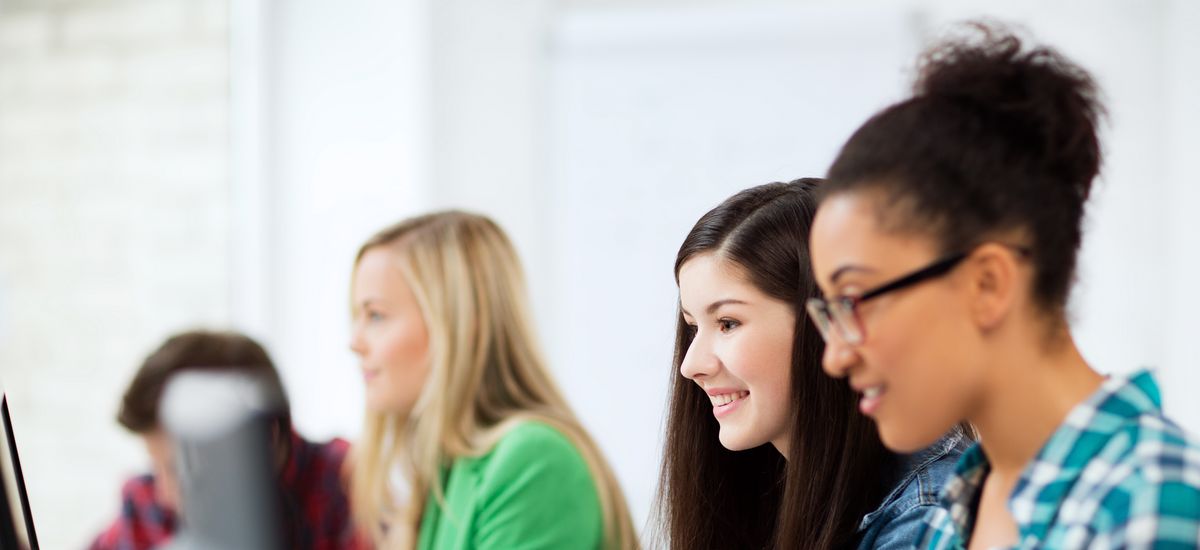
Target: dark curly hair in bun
(997, 139)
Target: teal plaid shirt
(1116, 474)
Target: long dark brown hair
(836, 471)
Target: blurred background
(169, 164)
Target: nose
(698, 361)
(838, 356)
(357, 343)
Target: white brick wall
(114, 226)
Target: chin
(378, 405)
(735, 443)
(903, 441)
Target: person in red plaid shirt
(311, 475)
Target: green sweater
(533, 490)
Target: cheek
(402, 353)
(917, 340)
(405, 349)
(764, 365)
(928, 366)
(775, 378)
(414, 348)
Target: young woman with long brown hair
(763, 450)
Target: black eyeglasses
(841, 313)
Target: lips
(726, 400)
(722, 399)
(872, 396)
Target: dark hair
(995, 139)
(196, 350)
(836, 471)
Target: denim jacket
(898, 520)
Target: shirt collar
(297, 460)
(962, 490)
(911, 465)
(1086, 429)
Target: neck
(781, 444)
(1029, 391)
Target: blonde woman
(467, 443)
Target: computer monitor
(220, 425)
(16, 520)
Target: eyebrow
(715, 306)
(368, 302)
(845, 269)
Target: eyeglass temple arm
(933, 270)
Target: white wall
(346, 129)
(114, 227)
(1174, 315)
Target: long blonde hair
(486, 375)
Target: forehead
(706, 274)
(845, 219)
(379, 271)
(848, 230)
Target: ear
(994, 284)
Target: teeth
(727, 398)
(872, 392)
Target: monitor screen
(16, 521)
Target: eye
(374, 316)
(847, 291)
(727, 325)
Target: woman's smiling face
(919, 365)
(741, 352)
